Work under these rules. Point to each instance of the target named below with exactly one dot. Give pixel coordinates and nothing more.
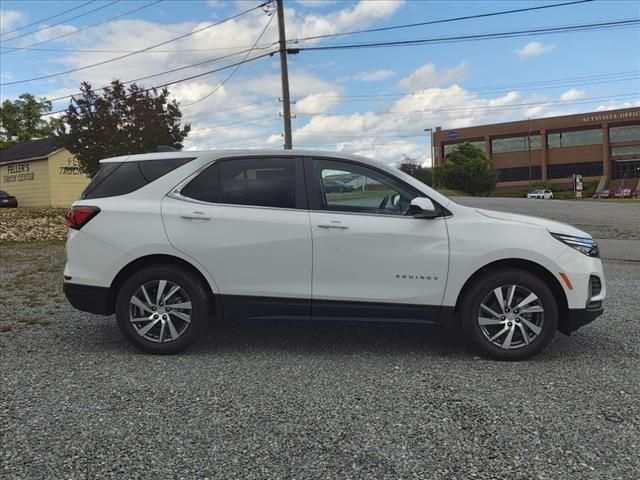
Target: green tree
(468, 169)
(119, 121)
(410, 166)
(23, 119)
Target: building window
(519, 173)
(450, 148)
(626, 170)
(574, 139)
(624, 134)
(565, 170)
(630, 150)
(515, 144)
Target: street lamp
(433, 158)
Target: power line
(90, 50)
(479, 36)
(434, 22)
(45, 19)
(82, 29)
(228, 77)
(185, 79)
(244, 12)
(164, 72)
(487, 108)
(66, 20)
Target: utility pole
(284, 70)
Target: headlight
(588, 246)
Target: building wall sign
(612, 116)
(453, 134)
(71, 168)
(19, 172)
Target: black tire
(191, 287)
(482, 289)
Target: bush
(469, 169)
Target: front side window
(263, 182)
(349, 187)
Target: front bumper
(576, 318)
(88, 298)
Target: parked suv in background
(541, 194)
(168, 240)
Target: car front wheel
(162, 309)
(509, 315)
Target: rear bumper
(577, 318)
(88, 298)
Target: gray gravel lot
(313, 400)
(602, 219)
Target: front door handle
(335, 224)
(195, 216)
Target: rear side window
(264, 182)
(120, 178)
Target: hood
(554, 227)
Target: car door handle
(195, 216)
(337, 225)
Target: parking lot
(319, 400)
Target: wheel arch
(527, 265)
(160, 259)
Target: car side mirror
(422, 207)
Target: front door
(370, 259)
(245, 220)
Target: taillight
(77, 217)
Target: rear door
(245, 220)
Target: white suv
(168, 240)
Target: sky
(375, 101)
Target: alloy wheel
(160, 311)
(511, 317)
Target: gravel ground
(289, 400)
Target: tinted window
(624, 134)
(565, 170)
(450, 148)
(264, 182)
(515, 144)
(519, 173)
(575, 138)
(347, 187)
(115, 178)
(205, 186)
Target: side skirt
(254, 307)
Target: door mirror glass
(422, 207)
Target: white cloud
(10, 19)
(613, 105)
(533, 49)
(373, 75)
(45, 33)
(214, 3)
(429, 76)
(318, 102)
(572, 94)
(316, 3)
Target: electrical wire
(434, 22)
(244, 12)
(228, 77)
(475, 37)
(82, 29)
(185, 79)
(487, 108)
(66, 20)
(45, 19)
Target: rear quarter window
(119, 178)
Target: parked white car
(540, 194)
(167, 240)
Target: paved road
(289, 400)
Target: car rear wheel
(162, 309)
(509, 315)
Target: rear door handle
(334, 224)
(195, 216)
